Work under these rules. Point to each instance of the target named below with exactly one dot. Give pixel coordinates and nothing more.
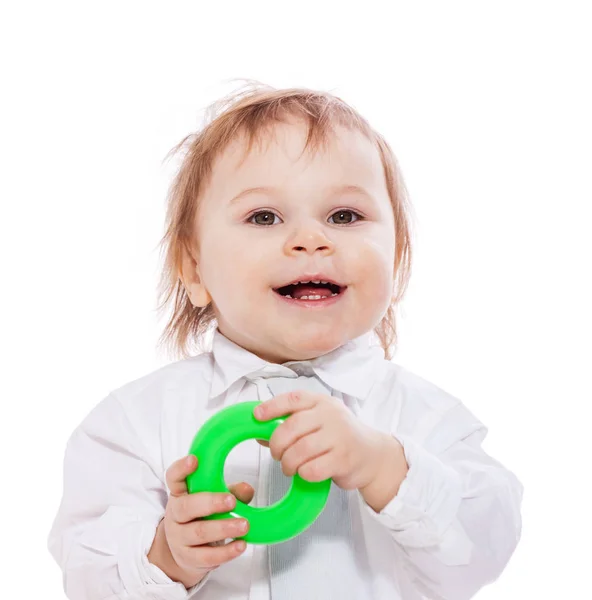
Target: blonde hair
(253, 111)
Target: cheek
(231, 271)
(375, 263)
(376, 256)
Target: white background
(487, 106)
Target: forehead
(279, 152)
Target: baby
(288, 240)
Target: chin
(307, 347)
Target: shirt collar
(352, 368)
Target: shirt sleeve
(112, 503)
(456, 518)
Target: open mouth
(311, 290)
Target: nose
(309, 240)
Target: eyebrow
(337, 189)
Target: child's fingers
(303, 451)
(199, 533)
(178, 472)
(243, 491)
(286, 404)
(201, 504)
(190, 507)
(209, 557)
(319, 468)
(299, 426)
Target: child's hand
(322, 439)
(181, 545)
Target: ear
(191, 279)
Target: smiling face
(310, 218)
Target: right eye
(266, 220)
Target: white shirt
(450, 530)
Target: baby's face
(303, 225)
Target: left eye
(266, 217)
(267, 220)
(349, 219)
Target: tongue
(309, 290)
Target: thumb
(243, 491)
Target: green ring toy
(279, 522)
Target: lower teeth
(310, 297)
